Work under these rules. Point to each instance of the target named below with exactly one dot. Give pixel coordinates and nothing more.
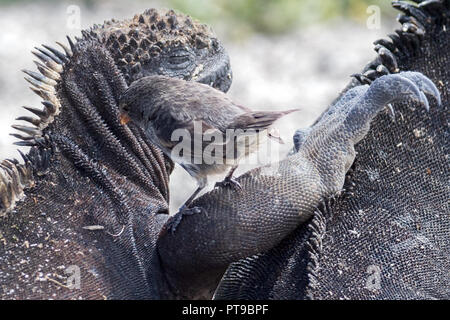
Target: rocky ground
(304, 69)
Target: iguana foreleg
(275, 199)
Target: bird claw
(174, 221)
(229, 182)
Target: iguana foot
(329, 144)
(175, 220)
(229, 182)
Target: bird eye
(123, 106)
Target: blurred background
(284, 53)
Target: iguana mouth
(221, 77)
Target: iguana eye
(178, 59)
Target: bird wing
(257, 120)
(190, 140)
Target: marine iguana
(131, 255)
(386, 236)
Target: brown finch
(216, 131)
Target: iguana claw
(424, 84)
(383, 92)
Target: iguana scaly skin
(386, 236)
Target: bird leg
(192, 197)
(229, 181)
(184, 210)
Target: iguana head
(167, 44)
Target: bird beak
(124, 118)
